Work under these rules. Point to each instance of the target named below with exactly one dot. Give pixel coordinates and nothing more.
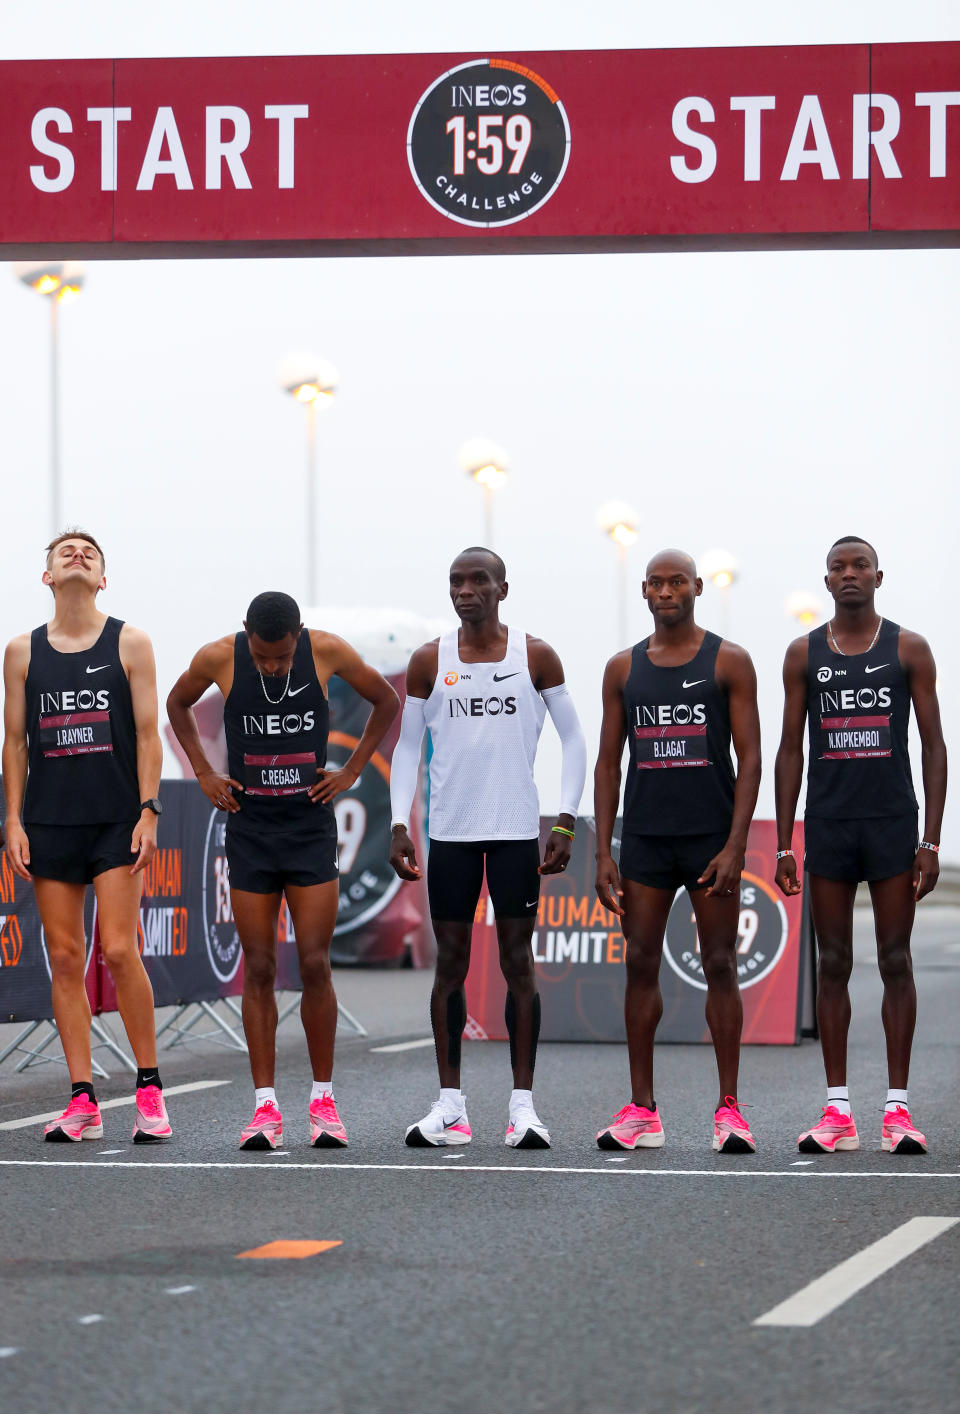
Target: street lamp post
(805, 607)
(59, 283)
(487, 463)
(619, 521)
(721, 569)
(313, 383)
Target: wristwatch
(152, 804)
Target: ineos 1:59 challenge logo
(219, 929)
(488, 143)
(762, 935)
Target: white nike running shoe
(443, 1125)
(526, 1130)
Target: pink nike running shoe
(833, 1131)
(80, 1120)
(265, 1130)
(899, 1134)
(731, 1133)
(326, 1130)
(633, 1127)
(151, 1124)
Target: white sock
(839, 1097)
(896, 1099)
(266, 1096)
(452, 1099)
(520, 1098)
(321, 1088)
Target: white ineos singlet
(484, 721)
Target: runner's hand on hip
(330, 784)
(219, 790)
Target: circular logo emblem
(451, 678)
(219, 929)
(824, 674)
(488, 143)
(367, 880)
(762, 935)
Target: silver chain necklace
(274, 702)
(836, 645)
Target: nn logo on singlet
(83, 701)
(481, 706)
(273, 724)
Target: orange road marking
(273, 1250)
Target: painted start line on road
(322, 1169)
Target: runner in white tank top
(483, 691)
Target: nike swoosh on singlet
(693, 684)
(503, 676)
(98, 670)
(292, 692)
(866, 670)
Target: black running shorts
(77, 854)
(669, 861)
(455, 878)
(263, 861)
(851, 850)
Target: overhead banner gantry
(854, 145)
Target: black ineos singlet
(680, 779)
(858, 711)
(81, 734)
(276, 739)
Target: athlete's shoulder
(133, 638)
(329, 646)
(913, 648)
(618, 667)
(425, 655)
(798, 653)
(734, 664)
(219, 651)
(17, 653)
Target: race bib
(75, 734)
(280, 774)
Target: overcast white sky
(763, 402)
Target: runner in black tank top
(853, 680)
(81, 767)
(281, 834)
(679, 697)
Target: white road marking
(113, 1105)
(402, 1046)
(824, 1295)
(801, 1163)
(622, 1159)
(6, 1351)
(101, 1152)
(145, 1166)
(90, 1320)
(179, 1290)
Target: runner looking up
(482, 692)
(678, 697)
(281, 837)
(81, 770)
(854, 680)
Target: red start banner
(507, 151)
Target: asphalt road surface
(485, 1278)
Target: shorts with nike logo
(851, 850)
(263, 859)
(669, 861)
(455, 878)
(78, 854)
